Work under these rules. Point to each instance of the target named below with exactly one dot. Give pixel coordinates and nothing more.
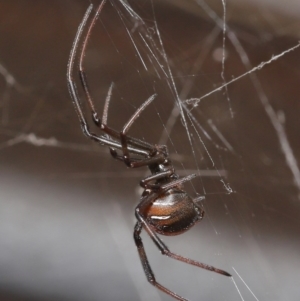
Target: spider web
(227, 108)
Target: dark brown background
(66, 215)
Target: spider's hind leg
(141, 213)
(145, 263)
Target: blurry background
(67, 208)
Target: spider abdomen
(173, 213)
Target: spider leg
(119, 157)
(140, 211)
(145, 183)
(123, 133)
(83, 78)
(145, 263)
(177, 182)
(73, 89)
(135, 145)
(127, 141)
(132, 141)
(82, 73)
(102, 123)
(138, 162)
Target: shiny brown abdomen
(173, 213)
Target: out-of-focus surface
(67, 208)
(281, 17)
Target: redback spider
(164, 208)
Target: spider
(164, 208)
